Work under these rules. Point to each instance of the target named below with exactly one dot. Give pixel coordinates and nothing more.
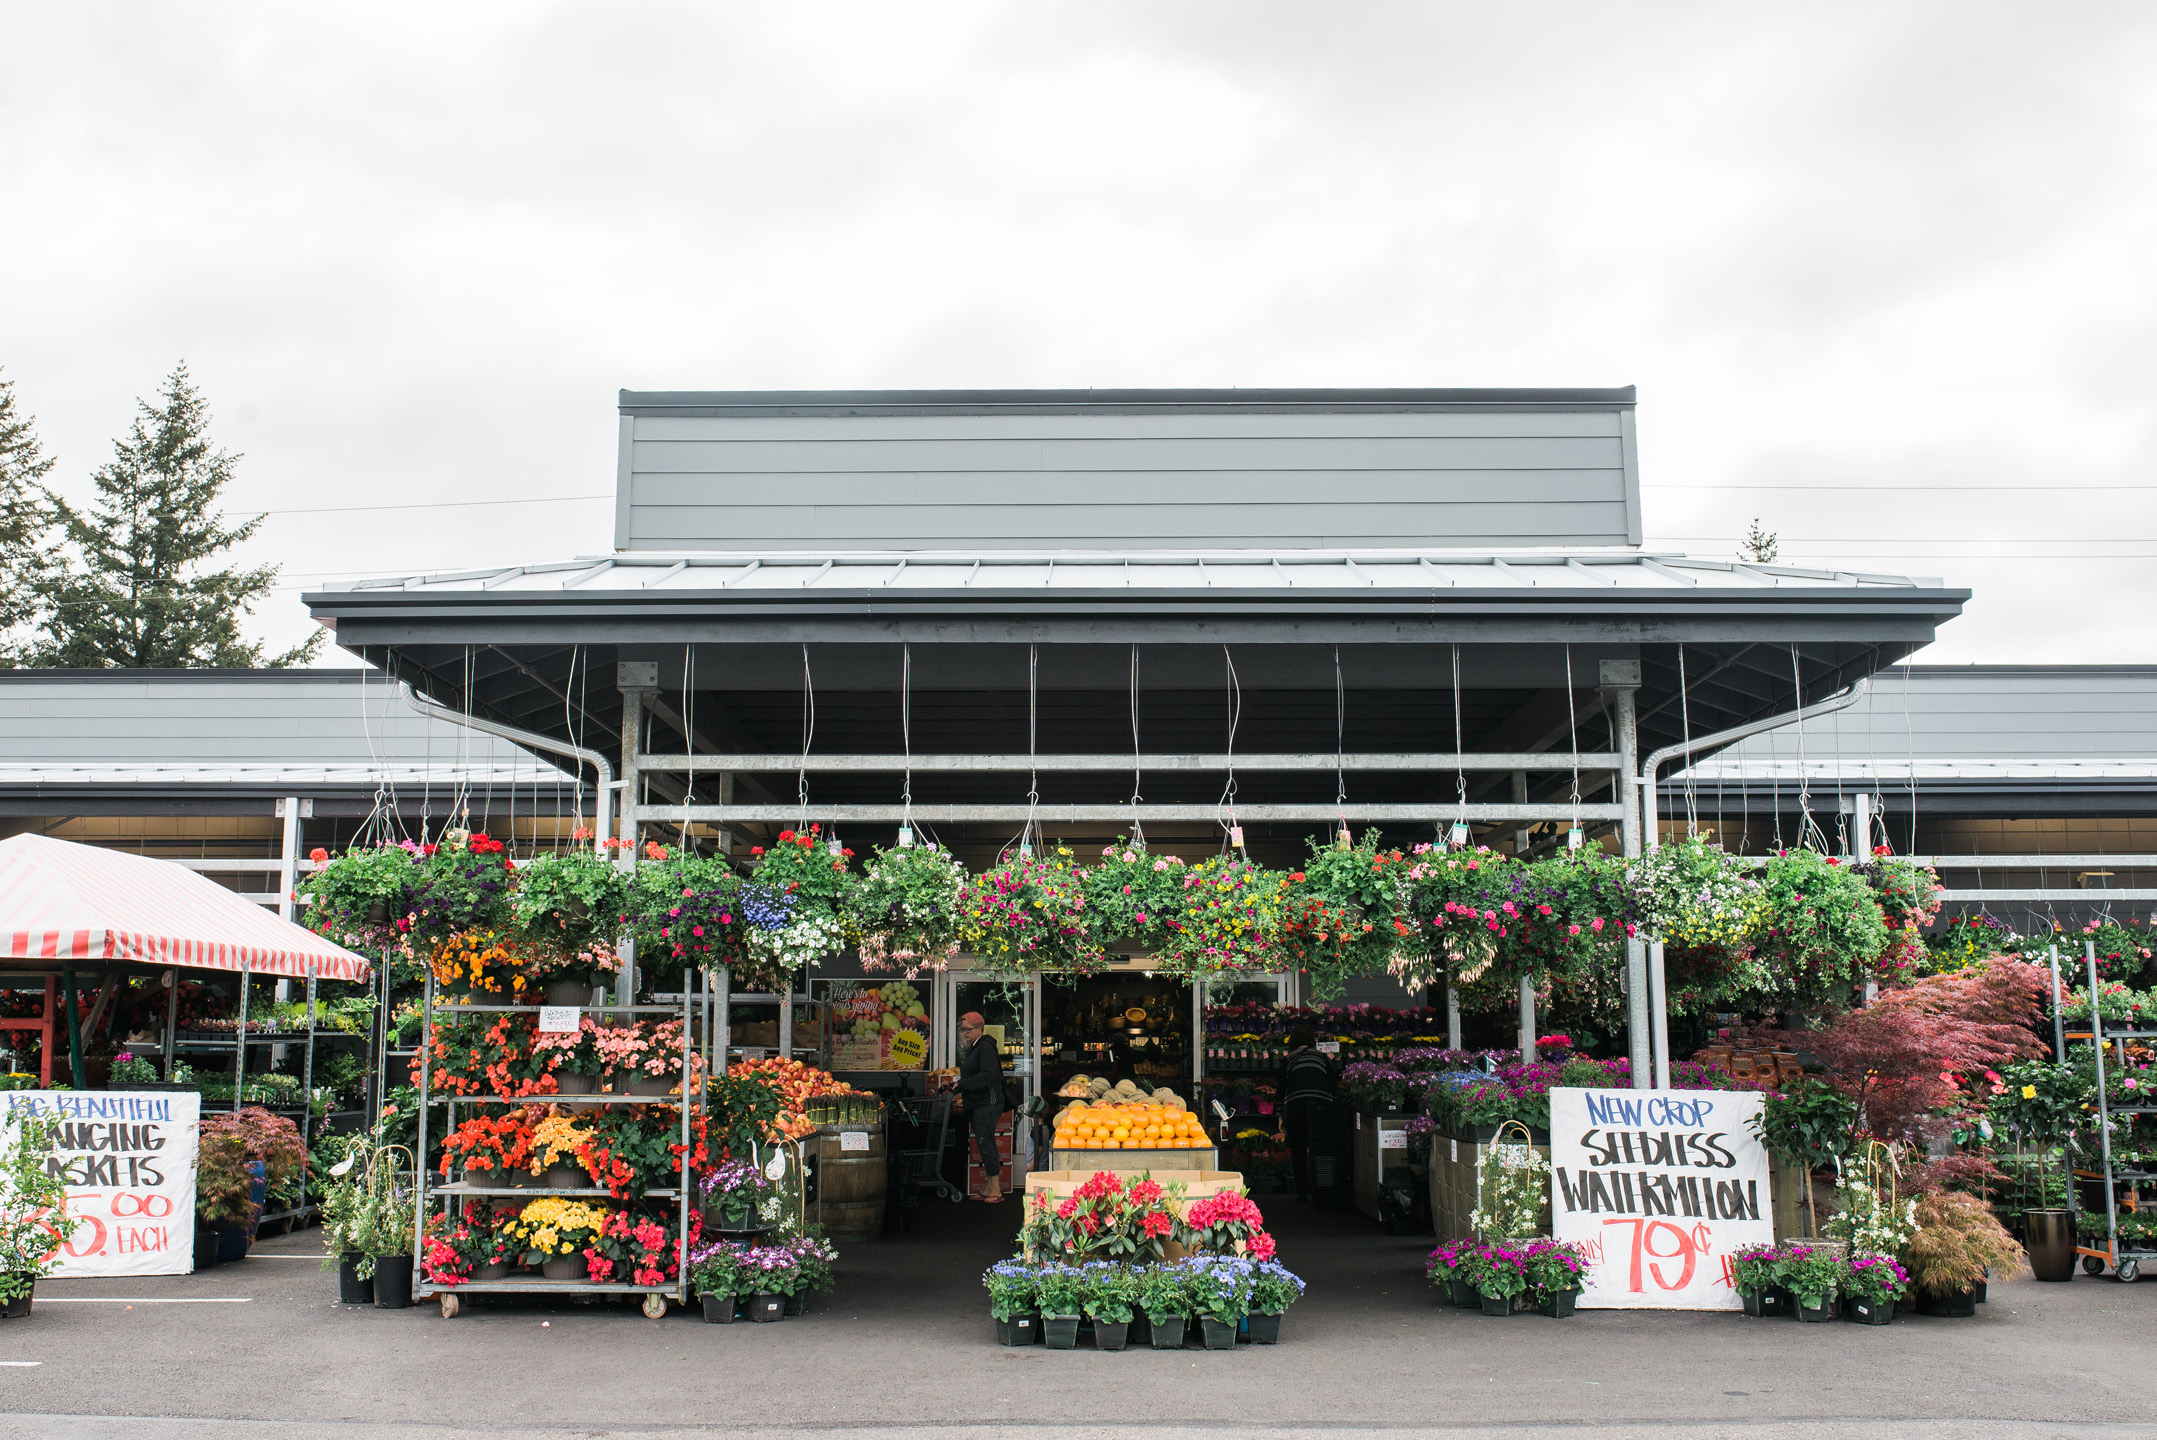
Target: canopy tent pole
(74, 1029)
(172, 1020)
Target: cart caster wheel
(2127, 1271)
(2091, 1265)
(655, 1307)
(449, 1306)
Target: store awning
(62, 901)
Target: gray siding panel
(1502, 477)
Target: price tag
(1456, 1151)
(854, 1140)
(558, 1019)
(1329, 1047)
(1393, 1139)
(1359, 1119)
(909, 1049)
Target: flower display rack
(447, 1198)
(2136, 1187)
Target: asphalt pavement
(904, 1348)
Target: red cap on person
(971, 1019)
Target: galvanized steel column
(625, 985)
(1636, 952)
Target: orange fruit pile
(1129, 1127)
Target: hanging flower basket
(1819, 931)
(1345, 912)
(906, 909)
(1134, 895)
(1226, 921)
(1028, 915)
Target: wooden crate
(1375, 1159)
(1198, 1183)
(1454, 1158)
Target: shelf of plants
(2127, 1152)
(566, 1223)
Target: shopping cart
(919, 1160)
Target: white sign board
(128, 1160)
(558, 1019)
(1660, 1186)
(853, 1140)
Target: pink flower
(1572, 929)
(1596, 923)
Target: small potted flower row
(1808, 1280)
(561, 1239)
(1500, 1277)
(548, 1147)
(1228, 1296)
(760, 1280)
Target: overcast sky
(1868, 264)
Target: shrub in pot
(2038, 1104)
(1808, 1125)
(235, 1153)
(34, 1222)
(1014, 1301)
(1956, 1243)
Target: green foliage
(1110, 1291)
(26, 519)
(2041, 1100)
(1164, 1291)
(1062, 1289)
(344, 898)
(1345, 912)
(1809, 1124)
(572, 900)
(906, 908)
(134, 589)
(227, 1144)
(368, 1209)
(740, 1112)
(34, 1222)
(1819, 930)
(1956, 1243)
(1132, 893)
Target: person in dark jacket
(981, 1096)
(1306, 1090)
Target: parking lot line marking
(21, 1362)
(144, 1300)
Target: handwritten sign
(1329, 1047)
(128, 1161)
(909, 1049)
(1660, 1186)
(1393, 1139)
(558, 1019)
(854, 1140)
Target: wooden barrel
(849, 1181)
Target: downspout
(603, 822)
(1651, 836)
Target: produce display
(896, 1006)
(1123, 1117)
(800, 1089)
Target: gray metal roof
(1594, 571)
(284, 731)
(1125, 401)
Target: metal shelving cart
(690, 1103)
(2139, 1185)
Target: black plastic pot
(718, 1309)
(233, 1244)
(796, 1303)
(1816, 1314)
(205, 1246)
(1558, 1304)
(2049, 1236)
(1955, 1305)
(1265, 1329)
(1766, 1304)
(1018, 1330)
(1464, 1296)
(378, 912)
(1497, 1304)
(1141, 1329)
(1061, 1331)
(764, 1309)
(19, 1307)
(1169, 1330)
(351, 1289)
(1868, 1312)
(392, 1282)
(1977, 1293)
(1220, 1334)
(1111, 1334)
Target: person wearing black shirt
(1306, 1089)
(981, 1096)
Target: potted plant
(130, 1072)
(553, 1234)
(1014, 1301)
(715, 1270)
(573, 1057)
(1808, 1125)
(1110, 1293)
(1273, 1290)
(1812, 1274)
(907, 908)
(1133, 897)
(572, 904)
(238, 1157)
(1062, 1291)
(1756, 1271)
(2038, 1105)
(359, 896)
(463, 1248)
(1818, 929)
(1451, 1267)
(491, 1149)
(769, 1273)
(1871, 1288)
(1512, 1190)
(813, 1260)
(1956, 1243)
(1164, 1296)
(34, 1222)
(739, 1200)
(556, 1151)
(1501, 1276)
(1028, 914)
(368, 1217)
(1225, 1223)
(1555, 1271)
(1220, 1290)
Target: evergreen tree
(25, 526)
(1759, 545)
(133, 591)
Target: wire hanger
(1575, 837)
(1138, 829)
(1235, 717)
(808, 737)
(906, 741)
(1457, 837)
(1340, 746)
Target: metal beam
(2035, 862)
(1120, 764)
(1116, 814)
(2079, 897)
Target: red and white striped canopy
(62, 901)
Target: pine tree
(26, 521)
(133, 593)
(1760, 546)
